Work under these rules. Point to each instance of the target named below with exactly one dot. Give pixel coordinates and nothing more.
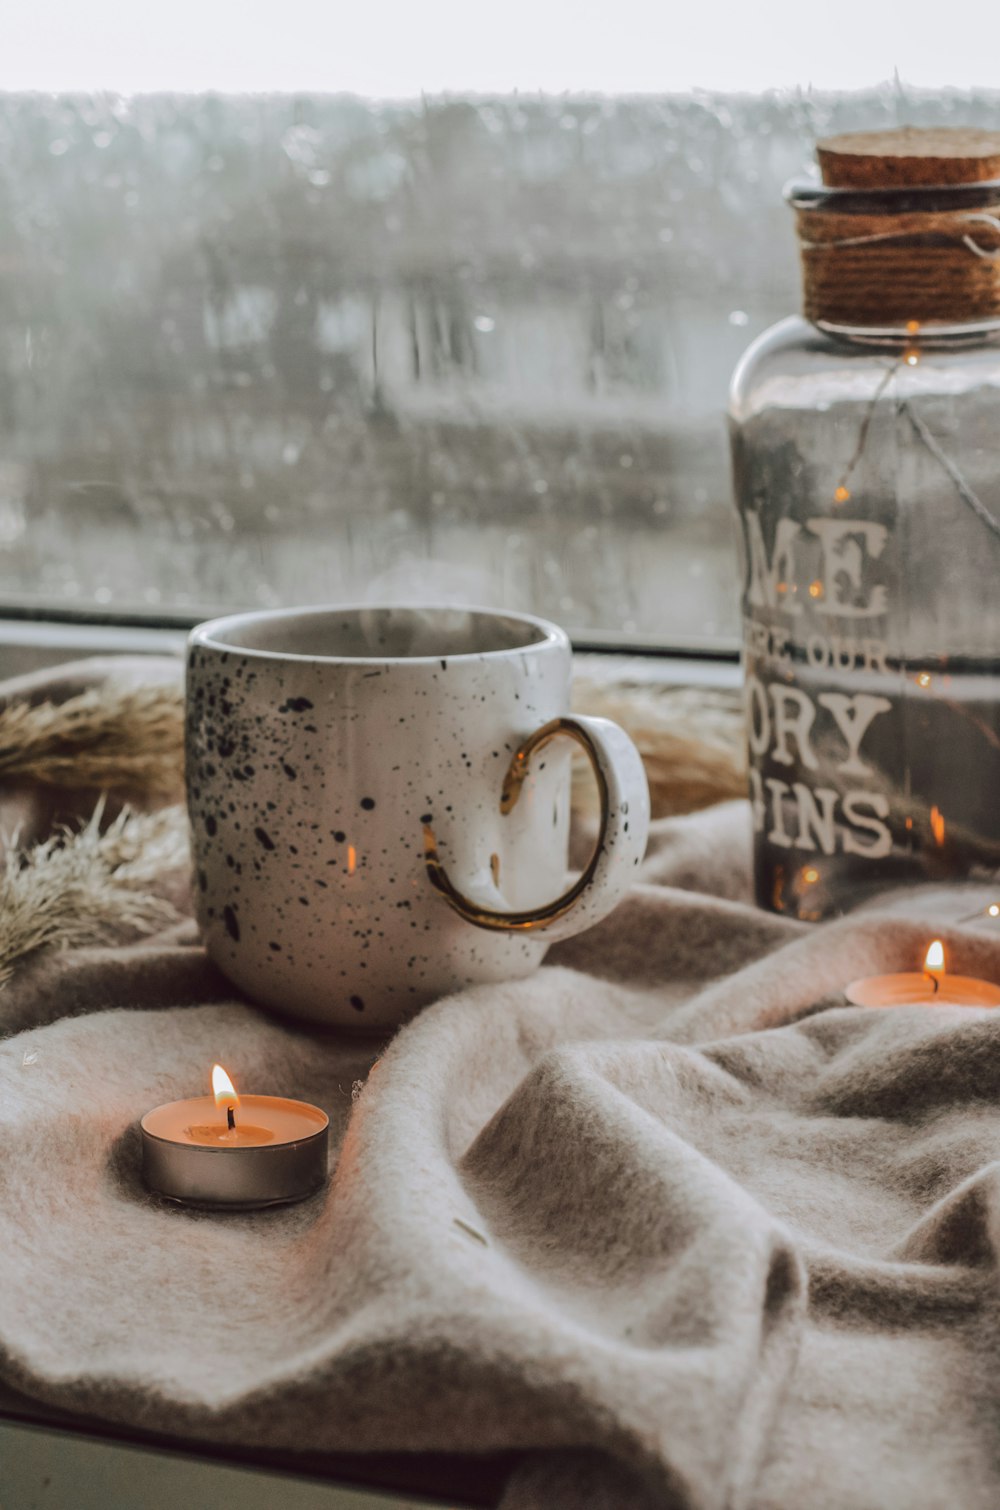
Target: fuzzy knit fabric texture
(669, 1216)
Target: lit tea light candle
(930, 987)
(234, 1151)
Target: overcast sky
(399, 48)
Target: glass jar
(867, 480)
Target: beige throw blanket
(669, 1214)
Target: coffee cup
(379, 801)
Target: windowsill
(32, 644)
(47, 1453)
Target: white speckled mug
(379, 804)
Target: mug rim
(206, 635)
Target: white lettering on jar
(757, 806)
(794, 715)
(828, 566)
(879, 804)
(848, 546)
(758, 717)
(779, 790)
(817, 821)
(853, 716)
(772, 579)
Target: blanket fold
(669, 1214)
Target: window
(261, 349)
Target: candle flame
(934, 958)
(223, 1088)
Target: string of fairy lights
(991, 912)
(910, 357)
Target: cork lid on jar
(909, 157)
(905, 231)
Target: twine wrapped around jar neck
(885, 247)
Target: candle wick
(932, 978)
(230, 1118)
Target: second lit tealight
(930, 987)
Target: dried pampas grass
(690, 739)
(122, 737)
(88, 886)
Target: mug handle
(621, 842)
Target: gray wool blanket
(669, 1215)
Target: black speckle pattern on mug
(316, 780)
